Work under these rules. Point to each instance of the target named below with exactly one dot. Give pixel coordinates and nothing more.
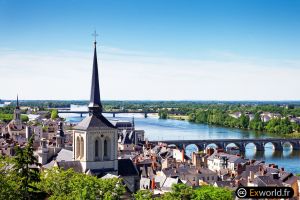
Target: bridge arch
(236, 144)
(277, 146)
(295, 145)
(190, 148)
(287, 144)
(258, 146)
(214, 145)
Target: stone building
(15, 127)
(95, 138)
(94, 144)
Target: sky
(151, 49)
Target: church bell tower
(95, 138)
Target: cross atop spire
(95, 106)
(95, 35)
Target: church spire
(17, 102)
(95, 106)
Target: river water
(168, 129)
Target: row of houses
(162, 166)
(265, 116)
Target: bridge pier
(259, 147)
(242, 147)
(278, 146)
(201, 147)
(296, 146)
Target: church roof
(94, 122)
(127, 168)
(95, 101)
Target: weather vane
(95, 35)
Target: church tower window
(96, 149)
(77, 147)
(81, 148)
(105, 148)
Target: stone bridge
(240, 143)
(112, 112)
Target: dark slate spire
(95, 106)
(133, 125)
(17, 102)
(60, 131)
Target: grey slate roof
(94, 122)
(263, 181)
(62, 155)
(76, 165)
(127, 168)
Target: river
(168, 129)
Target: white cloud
(141, 75)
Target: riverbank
(178, 117)
(265, 132)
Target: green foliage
(179, 192)
(67, 184)
(243, 121)
(24, 118)
(256, 123)
(6, 117)
(163, 114)
(54, 114)
(9, 180)
(184, 192)
(143, 195)
(25, 167)
(213, 193)
(222, 118)
(7, 109)
(282, 126)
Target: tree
(179, 192)
(244, 121)
(182, 192)
(24, 118)
(213, 193)
(54, 114)
(256, 123)
(25, 167)
(66, 184)
(143, 195)
(9, 181)
(163, 114)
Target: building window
(96, 148)
(77, 147)
(81, 148)
(105, 148)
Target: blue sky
(173, 50)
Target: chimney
(153, 184)
(237, 183)
(251, 176)
(275, 176)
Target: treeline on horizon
(154, 104)
(207, 112)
